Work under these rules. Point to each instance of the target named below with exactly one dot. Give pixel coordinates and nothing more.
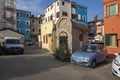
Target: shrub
(62, 53)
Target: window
(27, 14)
(28, 22)
(48, 9)
(58, 14)
(43, 39)
(4, 14)
(18, 21)
(33, 30)
(64, 13)
(28, 31)
(18, 13)
(113, 10)
(73, 6)
(18, 30)
(63, 3)
(111, 40)
(39, 21)
(79, 16)
(57, 3)
(84, 18)
(51, 7)
(39, 30)
(51, 17)
(33, 21)
(74, 16)
(46, 39)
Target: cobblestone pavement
(37, 64)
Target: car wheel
(22, 52)
(93, 64)
(106, 59)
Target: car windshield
(89, 48)
(12, 41)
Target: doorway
(63, 39)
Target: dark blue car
(90, 55)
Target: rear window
(89, 48)
(12, 41)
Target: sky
(95, 7)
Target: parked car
(90, 55)
(11, 45)
(28, 42)
(116, 65)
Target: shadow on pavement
(21, 66)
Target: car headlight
(86, 58)
(73, 56)
(116, 62)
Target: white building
(61, 8)
(8, 14)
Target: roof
(23, 11)
(68, 1)
(10, 30)
(78, 25)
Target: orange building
(112, 25)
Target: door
(63, 40)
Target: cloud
(30, 5)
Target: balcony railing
(9, 7)
(10, 19)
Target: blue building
(23, 23)
(80, 13)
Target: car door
(102, 53)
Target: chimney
(95, 18)
(95, 27)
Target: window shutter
(106, 11)
(117, 8)
(107, 40)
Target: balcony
(9, 7)
(8, 19)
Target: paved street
(36, 64)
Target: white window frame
(28, 31)
(108, 6)
(28, 22)
(79, 16)
(28, 14)
(18, 12)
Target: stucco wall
(46, 29)
(64, 25)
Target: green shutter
(112, 10)
(107, 40)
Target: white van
(12, 45)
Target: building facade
(8, 14)
(67, 8)
(112, 25)
(35, 27)
(63, 33)
(96, 29)
(23, 23)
